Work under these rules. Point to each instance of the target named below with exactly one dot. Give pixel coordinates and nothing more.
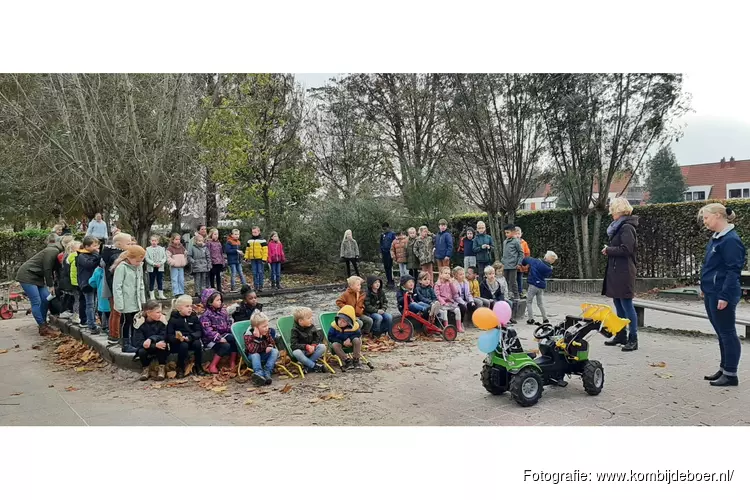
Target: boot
(44, 329)
(233, 361)
(161, 295)
(213, 367)
(144, 374)
(258, 379)
(620, 338)
(198, 370)
(715, 376)
(725, 381)
(162, 373)
(632, 345)
(460, 326)
(152, 295)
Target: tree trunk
(141, 230)
(266, 207)
(212, 209)
(577, 238)
(595, 240)
(495, 233)
(586, 250)
(18, 226)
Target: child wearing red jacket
(276, 257)
(260, 347)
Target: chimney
(731, 162)
(723, 162)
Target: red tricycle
(9, 300)
(403, 331)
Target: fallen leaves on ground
(75, 354)
(287, 388)
(16, 393)
(405, 365)
(248, 401)
(664, 375)
(328, 397)
(172, 374)
(382, 344)
(83, 369)
(36, 347)
(220, 388)
(189, 366)
(70, 388)
(660, 364)
(3, 351)
(218, 380)
(177, 383)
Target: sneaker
(258, 379)
(545, 322)
(512, 322)
(530, 322)
(66, 315)
(76, 320)
(144, 374)
(269, 380)
(355, 363)
(319, 368)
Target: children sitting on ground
(427, 294)
(260, 347)
(276, 257)
(473, 279)
(234, 258)
(522, 269)
(308, 342)
(257, 254)
(86, 263)
(177, 260)
(156, 258)
(354, 297)
(345, 332)
(539, 271)
(398, 252)
(184, 333)
(128, 290)
(249, 305)
(151, 336)
(493, 288)
(217, 329)
(98, 283)
(447, 295)
(375, 305)
(216, 255)
(465, 298)
(200, 263)
(407, 288)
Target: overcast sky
(718, 127)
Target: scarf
(612, 229)
(176, 250)
(233, 241)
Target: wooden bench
(642, 305)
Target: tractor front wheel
(593, 377)
(526, 387)
(402, 331)
(490, 382)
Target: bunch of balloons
(485, 318)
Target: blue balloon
(487, 342)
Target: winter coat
(402, 292)
(244, 312)
(512, 254)
(474, 287)
(486, 293)
(446, 292)
(539, 271)
(526, 253)
(302, 336)
(386, 239)
(722, 267)
(156, 331)
(63, 277)
(483, 254)
(467, 245)
(619, 279)
(398, 250)
(276, 252)
(426, 294)
(177, 256)
(188, 326)
(98, 283)
(72, 261)
(257, 249)
(128, 288)
(98, 230)
(375, 301)
(349, 249)
(232, 249)
(86, 264)
(464, 292)
(444, 245)
(423, 248)
(412, 260)
(216, 324)
(215, 252)
(354, 299)
(338, 334)
(199, 259)
(155, 256)
(258, 345)
(109, 255)
(40, 269)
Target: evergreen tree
(665, 183)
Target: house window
(739, 193)
(699, 195)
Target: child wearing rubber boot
(152, 337)
(447, 294)
(260, 347)
(184, 334)
(217, 330)
(308, 343)
(345, 332)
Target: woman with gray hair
(619, 280)
(37, 276)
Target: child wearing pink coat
(447, 295)
(276, 257)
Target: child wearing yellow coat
(257, 254)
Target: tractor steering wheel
(544, 331)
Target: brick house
(721, 180)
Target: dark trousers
(388, 265)
(183, 349)
(724, 324)
(158, 277)
(127, 327)
(480, 268)
(82, 306)
(414, 273)
(519, 278)
(225, 348)
(349, 263)
(147, 355)
(68, 300)
(215, 276)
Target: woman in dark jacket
(720, 286)
(619, 280)
(36, 276)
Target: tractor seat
(543, 360)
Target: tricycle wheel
(450, 333)
(402, 331)
(593, 377)
(491, 383)
(526, 387)
(6, 312)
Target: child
(471, 277)
(217, 329)
(354, 297)
(234, 258)
(177, 260)
(375, 306)
(216, 254)
(427, 293)
(156, 257)
(345, 332)
(483, 247)
(128, 290)
(539, 271)
(424, 247)
(248, 306)
(276, 257)
(447, 295)
(522, 269)
(98, 283)
(494, 288)
(261, 348)
(257, 254)
(465, 298)
(412, 261)
(398, 252)
(110, 253)
(86, 263)
(184, 332)
(200, 262)
(416, 304)
(308, 342)
(468, 249)
(68, 293)
(151, 336)
(349, 252)
(79, 300)
(443, 246)
(512, 257)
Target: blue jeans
(385, 320)
(625, 309)
(275, 272)
(236, 269)
(268, 358)
(388, 265)
(38, 297)
(259, 272)
(418, 307)
(309, 361)
(724, 324)
(90, 309)
(177, 274)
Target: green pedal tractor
(563, 351)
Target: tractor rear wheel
(593, 377)
(490, 382)
(526, 387)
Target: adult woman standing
(619, 280)
(720, 286)
(36, 276)
(350, 252)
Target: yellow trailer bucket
(604, 315)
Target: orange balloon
(484, 319)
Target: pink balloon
(503, 312)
